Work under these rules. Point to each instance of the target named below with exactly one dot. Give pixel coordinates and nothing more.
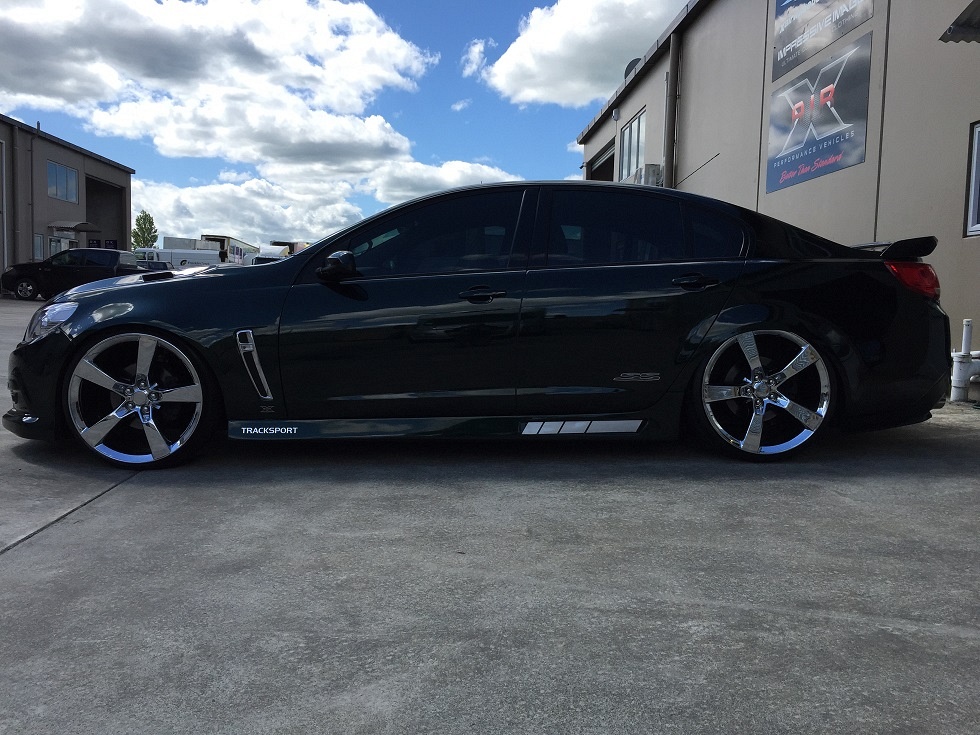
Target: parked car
(155, 265)
(569, 309)
(67, 269)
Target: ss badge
(637, 377)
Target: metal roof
(71, 224)
(12, 122)
(966, 27)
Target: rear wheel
(763, 393)
(138, 400)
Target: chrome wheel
(765, 392)
(135, 399)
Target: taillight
(920, 277)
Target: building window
(973, 208)
(62, 182)
(632, 141)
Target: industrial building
(856, 119)
(55, 195)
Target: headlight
(47, 319)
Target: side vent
(250, 356)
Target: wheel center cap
(141, 398)
(760, 389)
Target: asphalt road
(465, 587)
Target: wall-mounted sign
(803, 28)
(818, 123)
(114, 244)
(93, 243)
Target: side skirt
(462, 426)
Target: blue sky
(287, 119)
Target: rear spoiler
(908, 249)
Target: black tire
(762, 394)
(25, 289)
(138, 400)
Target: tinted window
(68, 257)
(713, 235)
(458, 234)
(590, 227)
(127, 258)
(777, 239)
(100, 258)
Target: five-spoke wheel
(764, 393)
(136, 399)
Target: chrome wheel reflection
(766, 392)
(135, 398)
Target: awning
(68, 224)
(966, 27)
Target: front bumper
(34, 380)
(25, 425)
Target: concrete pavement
(465, 587)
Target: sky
(290, 119)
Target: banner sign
(803, 28)
(818, 123)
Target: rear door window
(591, 227)
(713, 236)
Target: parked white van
(179, 258)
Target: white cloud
(278, 87)
(474, 61)
(283, 93)
(398, 182)
(254, 210)
(573, 53)
(461, 105)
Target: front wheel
(25, 289)
(763, 393)
(138, 400)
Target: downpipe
(966, 365)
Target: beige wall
(924, 96)
(933, 97)
(724, 58)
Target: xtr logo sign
(812, 109)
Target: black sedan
(67, 269)
(529, 309)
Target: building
(856, 119)
(55, 195)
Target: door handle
(695, 282)
(481, 295)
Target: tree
(145, 234)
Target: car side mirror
(337, 266)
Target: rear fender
(843, 357)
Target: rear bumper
(907, 386)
